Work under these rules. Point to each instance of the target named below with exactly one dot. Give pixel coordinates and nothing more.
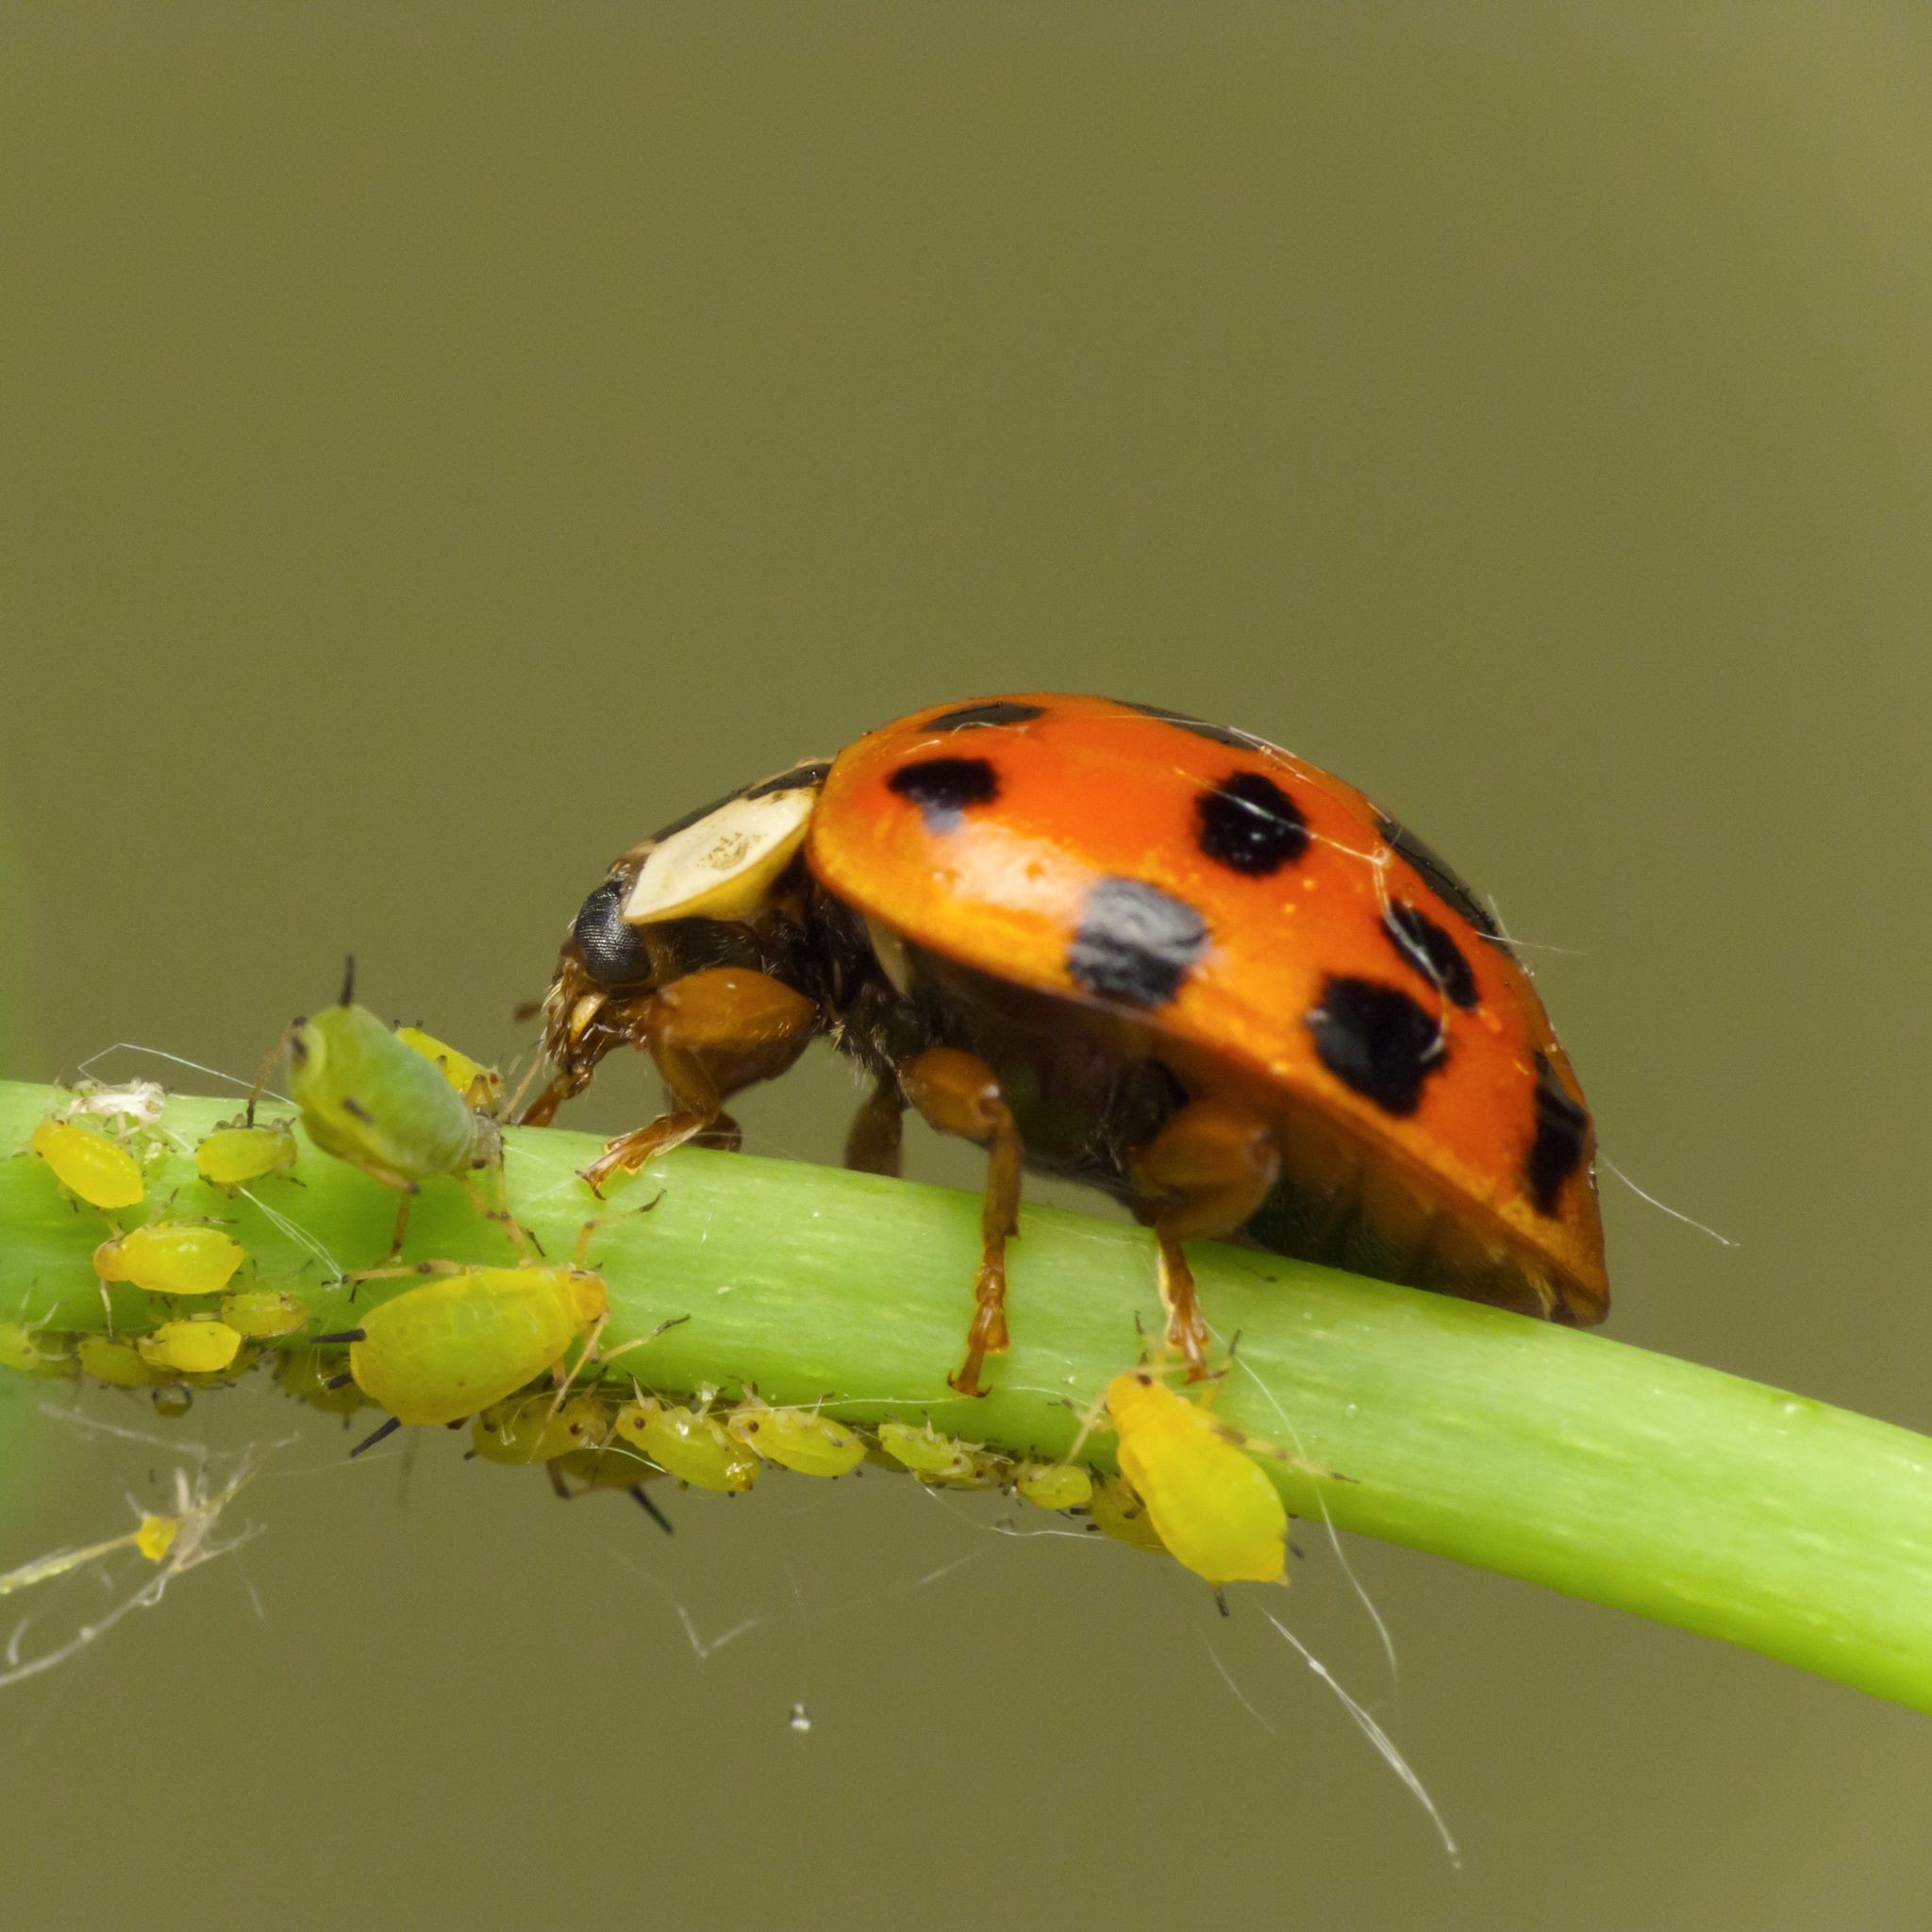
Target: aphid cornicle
(1209, 1502)
(1103, 940)
(375, 1100)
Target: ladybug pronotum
(1117, 944)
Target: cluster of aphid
(501, 1347)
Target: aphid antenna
(347, 998)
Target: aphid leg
(434, 1265)
(409, 1201)
(710, 1034)
(872, 1146)
(957, 1094)
(1201, 1175)
(495, 1206)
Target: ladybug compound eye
(722, 866)
(614, 954)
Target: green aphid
(370, 1099)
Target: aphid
(693, 1445)
(1054, 1485)
(572, 1442)
(611, 1465)
(468, 1338)
(89, 1165)
(532, 1428)
(194, 1347)
(1115, 1511)
(309, 1375)
(369, 1099)
(120, 1363)
(940, 1459)
(796, 1439)
(262, 1314)
(1107, 940)
(476, 1085)
(170, 1257)
(36, 1351)
(241, 1153)
(1208, 1499)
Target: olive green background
(441, 443)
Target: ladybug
(1118, 944)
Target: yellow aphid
(525, 1430)
(796, 1439)
(1054, 1485)
(311, 1376)
(233, 1157)
(458, 1345)
(196, 1348)
(1115, 1511)
(694, 1447)
(33, 1351)
(90, 1165)
(155, 1535)
(170, 1257)
(1209, 1501)
(121, 1363)
(479, 1085)
(931, 1457)
(262, 1313)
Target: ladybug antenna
(348, 997)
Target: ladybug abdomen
(1087, 1086)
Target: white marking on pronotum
(721, 867)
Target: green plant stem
(1777, 1523)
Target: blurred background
(442, 444)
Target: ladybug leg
(710, 1034)
(958, 1094)
(873, 1145)
(1201, 1176)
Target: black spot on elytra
(1554, 1155)
(1378, 1042)
(1250, 824)
(1430, 950)
(1441, 876)
(943, 787)
(1214, 734)
(1000, 712)
(1135, 942)
(613, 953)
(796, 780)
